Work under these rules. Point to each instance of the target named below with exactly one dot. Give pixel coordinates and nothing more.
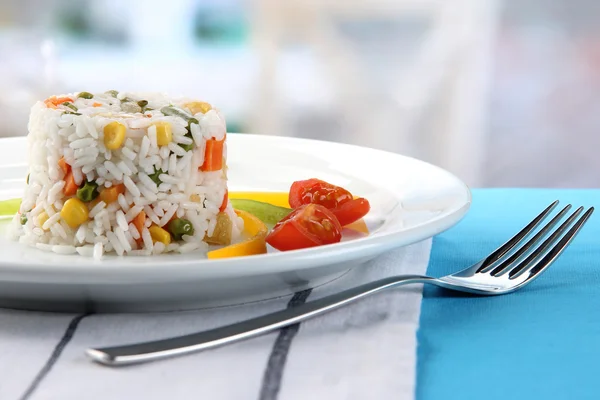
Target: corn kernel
(114, 135)
(74, 212)
(158, 234)
(199, 107)
(42, 218)
(164, 133)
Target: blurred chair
(425, 98)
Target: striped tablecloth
(366, 350)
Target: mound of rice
(125, 173)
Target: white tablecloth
(364, 351)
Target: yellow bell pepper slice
(281, 199)
(255, 245)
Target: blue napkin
(542, 342)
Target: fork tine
(560, 246)
(532, 242)
(512, 242)
(535, 267)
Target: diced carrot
(54, 102)
(213, 157)
(110, 195)
(140, 222)
(64, 166)
(225, 201)
(97, 104)
(70, 188)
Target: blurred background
(500, 92)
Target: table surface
(540, 342)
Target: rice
(147, 173)
(98, 250)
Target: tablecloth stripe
(271, 382)
(58, 349)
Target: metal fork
(505, 270)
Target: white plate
(410, 201)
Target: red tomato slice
(309, 225)
(337, 199)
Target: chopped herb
(28, 179)
(155, 175)
(71, 112)
(70, 105)
(112, 93)
(85, 95)
(23, 219)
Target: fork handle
(154, 350)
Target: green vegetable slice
(267, 213)
(176, 112)
(9, 207)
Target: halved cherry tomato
(336, 199)
(309, 225)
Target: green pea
(23, 219)
(88, 191)
(71, 106)
(155, 176)
(85, 95)
(112, 93)
(179, 227)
